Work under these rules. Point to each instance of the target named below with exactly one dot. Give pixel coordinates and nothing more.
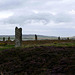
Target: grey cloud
(10, 4)
(45, 18)
(27, 11)
(14, 4)
(62, 17)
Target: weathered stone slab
(18, 37)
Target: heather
(38, 60)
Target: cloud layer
(47, 17)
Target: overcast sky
(43, 17)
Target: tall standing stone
(18, 37)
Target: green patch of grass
(60, 44)
(52, 44)
(6, 47)
(56, 44)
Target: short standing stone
(9, 39)
(18, 37)
(3, 38)
(68, 38)
(35, 37)
(58, 38)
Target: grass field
(57, 43)
(44, 57)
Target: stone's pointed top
(16, 27)
(20, 28)
(35, 35)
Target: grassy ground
(47, 57)
(6, 47)
(26, 44)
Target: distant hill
(32, 37)
(72, 37)
(39, 37)
(29, 37)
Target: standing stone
(58, 38)
(68, 38)
(3, 38)
(8, 38)
(35, 37)
(18, 37)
